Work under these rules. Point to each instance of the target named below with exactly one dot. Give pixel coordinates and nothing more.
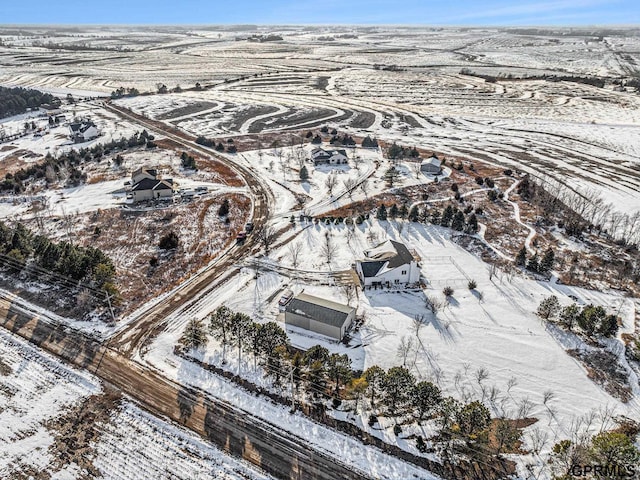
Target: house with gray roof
(319, 315)
(389, 264)
(83, 130)
(146, 184)
(431, 166)
(331, 157)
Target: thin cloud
(535, 9)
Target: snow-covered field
(493, 329)
(403, 85)
(304, 81)
(36, 389)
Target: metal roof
(319, 309)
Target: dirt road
(154, 320)
(233, 430)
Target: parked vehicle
(286, 297)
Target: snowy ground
(570, 131)
(35, 389)
(493, 328)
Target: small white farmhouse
(389, 264)
(331, 157)
(83, 131)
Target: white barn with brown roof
(319, 315)
(389, 264)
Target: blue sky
(421, 12)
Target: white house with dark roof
(389, 264)
(83, 131)
(331, 157)
(431, 166)
(147, 185)
(319, 315)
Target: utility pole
(113, 317)
(293, 398)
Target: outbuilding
(319, 315)
(431, 166)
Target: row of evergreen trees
(14, 101)
(535, 263)
(68, 166)
(452, 217)
(346, 140)
(87, 264)
(321, 375)
(124, 92)
(590, 320)
(211, 143)
(397, 151)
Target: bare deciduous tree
(329, 248)
(405, 349)
(349, 186)
(267, 237)
(295, 249)
(331, 182)
(364, 186)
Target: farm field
(45, 406)
(505, 160)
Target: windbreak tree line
(68, 166)
(14, 101)
(318, 375)
(21, 247)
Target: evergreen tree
(381, 214)
(391, 176)
(413, 214)
(546, 264)
(448, 410)
(169, 241)
(395, 151)
(458, 221)
(549, 308)
(317, 140)
(447, 216)
(393, 211)
(521, 257)
(194, 336)
(339, 370)
(223, 211)
(569, 316)
(304, 173)
(220, 324)
(614, 448)
(473, 418)
(403, 212)
(591, 318)
(425, 397)
(608, 326)
(272, 336)
(317, 353)
(533, 264)
(397, 386)
(472, 224)
(240, 330)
